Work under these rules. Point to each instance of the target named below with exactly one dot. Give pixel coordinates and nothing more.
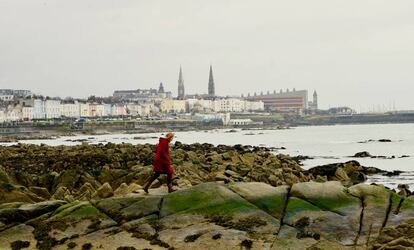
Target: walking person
(162, 163)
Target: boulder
(125, 189)
(86, 192)
(105, 191)
(363, 154)
(61, 193)
(40, 191)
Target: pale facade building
(119, 110)
(229, 105)
(96, 110)
(134, 109)
(240, 122)
(52, 108)
(176, 106)
(38, 105)
(14, 114)
(199, 105)
(27, 113)
(84, 109)
(253, 106)
(70, 109)
(107, 110)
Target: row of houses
(231, 105)
(40, 109)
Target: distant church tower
(211, 91)
(161, 89)
(181, 92)
(315, 100)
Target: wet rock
(40, 191)
(363, 154)
(125, 189)
(61, 194)
(104, 191)
(375, 200)
(270, 199)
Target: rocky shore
(241, 197)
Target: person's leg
(151, 180)
(169, 183)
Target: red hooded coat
(162, 162)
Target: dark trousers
(155, 176)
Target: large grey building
(15, 92)
(142, 95)
(288, 101)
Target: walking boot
(171, 189)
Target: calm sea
(326, 144)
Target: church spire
(181, 92)
(211, 90)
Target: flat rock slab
(129, 208)
(402, 213)
(376, 202)
(109, 238)
(266, 197)
(17, 233)
(217, 203)
(27, 211)
(325, 209)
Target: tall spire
(211, 90)
(181, 92)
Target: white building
(107, 110)
(96, 110)
(84, 109)
(240, 122)
(27, 113)
(119, 110)
(134, 109)
(52, 108)
(199, 105)
(250, 106)
(175, 106)
(70, 109)
(229, 105)
(13, 114)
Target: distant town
(23, 105)
(160, 104)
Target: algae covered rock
(376, 203)
(324, 210)
(220, 206)
(264, 196)
(124, 209)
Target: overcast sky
(358, 53)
